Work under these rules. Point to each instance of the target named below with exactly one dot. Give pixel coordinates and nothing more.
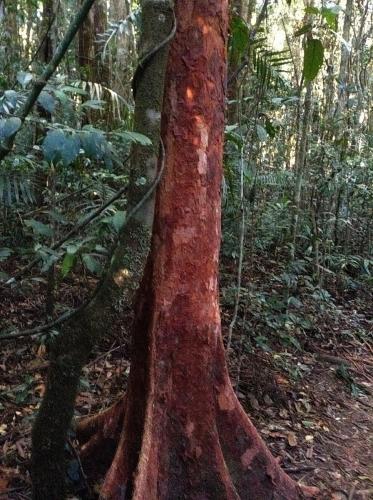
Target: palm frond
(117, 28)
(18, 188)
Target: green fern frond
(17, 187)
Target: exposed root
(310, 491)
(104, 422)
(99, 434)
(228, 460)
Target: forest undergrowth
(312, 402)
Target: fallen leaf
(268, 401)
(253, 402)
(20, 448)
(281, 380)
(41, 350)
(3, 485)
(39, 390)
(292, 439)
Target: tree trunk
(344, 74)
(89, 51)
(73, 346)
(245, 10)
(301, 158)
(123, 52)
(10, 40)
(47, 46)
(303, 125)
(185, 434)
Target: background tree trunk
(47, 47)
(89, 51)
(78, 335)
(245, 10)
(124, 50)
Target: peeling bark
(185, 434)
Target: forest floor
(313, 406)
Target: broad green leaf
(9, 126)
(47, 102)
(277, 101)
(9, 101)
(74, 90)
(330, 15)
(313, 59)
(134, 137)
(312, 10)
(239, 39)
(234, 138)
(230, 128)
(94, 104)
(67, 264)
(5, 253)
(58, 146)
(96, 146)
(270, 128)
(48, 262)
(72, 249)
(39, 228)
(91, 263)
(24, 78)
(261, 133)
(304, 29)
(118, 220)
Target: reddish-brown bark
(185, 434)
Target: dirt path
(321, 425)
(322, 433)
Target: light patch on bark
(120, 276)
(151, 168)
(212, 283)
(205, 28)
(173, 96)
(204, 141)
(184, 235)
(248, 457)
(189, 94)
(153, 116)
(225, 402)
(217, 329)
(190, 429)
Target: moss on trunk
(71, 350)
